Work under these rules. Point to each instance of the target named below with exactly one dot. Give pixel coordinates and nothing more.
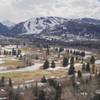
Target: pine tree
(36, 90)
(19, 52)
(79, 74)
(88, 67)
(47, 51)
(43, 80)
(92, 60)
(65, 61)
(53, 64)
(5, 52)
(72, 61)
(58, 54)
(71, 70)
(13, 51)
(71, 51)
(2, 82)
(46, 64)
(82, 54)
(10, 82)
(93, 68)
(61, 49)
(83, 67)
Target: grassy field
(9, 63)
(35, 75)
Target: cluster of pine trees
(12, 52)
(46, 64)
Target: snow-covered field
(78, 66)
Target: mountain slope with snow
(57, 26)
(38, 24)
(8, 23)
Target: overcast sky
(19, 10)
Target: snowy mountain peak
(36, 25)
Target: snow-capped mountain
(8, 23)
(54, 26)
(37, 25)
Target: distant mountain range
(8, 23)
(53, 26)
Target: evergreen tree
(53, 64)
(5, 52)
(72, 61)
(36, 90)
(19, 52)
(83, 67)
(71, 51)
(79, 74)
(13, 51)
(82, 54)
(74, 52)
(61, 49)
(92, 60)
(2, 82)
(88, 67)
(53, 83)
(42, 95)
(46, 64)
(71, 70)
(58, 54)
(43, 80)
(10, 82)
(93, 68)
(76, 57)
(47, 51)
(65, 61)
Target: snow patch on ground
(3, 68)
(97, 62)
(1, 61)
(29, 68)
(77, 65)
(87, 56)
(59, 68)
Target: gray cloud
(17, 10)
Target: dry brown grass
(26, 50)
(35, 75)
(12, 64)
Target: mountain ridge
(53, 26)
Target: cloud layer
(17, 10)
